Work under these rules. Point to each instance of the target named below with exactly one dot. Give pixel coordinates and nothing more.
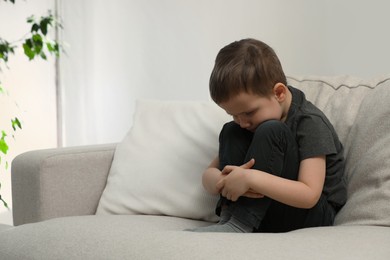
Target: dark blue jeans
(275, 151)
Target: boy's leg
(283, 218)
(275, 151)
(234, 143)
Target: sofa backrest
(157, 167)
(360, 111)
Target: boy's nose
(243, 123)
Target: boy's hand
(235, 183)
(229, 168)
(253, 195)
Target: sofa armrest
(59, 182)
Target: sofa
(133, 199)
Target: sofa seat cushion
(161, 237)
(4, 227)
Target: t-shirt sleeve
(315, 137)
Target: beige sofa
(132, 200)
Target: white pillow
(157, 169)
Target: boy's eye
(250, 113)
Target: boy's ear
(280, 92)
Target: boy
(280, 164)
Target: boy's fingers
(227, 169)
(248, 164)
(219, 185)
(253, 195)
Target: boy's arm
(211, 177)
(303, 193)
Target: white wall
(32, 86)
(128, 49)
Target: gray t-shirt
(316, 136)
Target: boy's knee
(268, 128)
(231, 129)
(274, 131)
(231, 126)
(271, 127)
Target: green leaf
(27, 50)
(57, 49)
(5, 49)
(3, 147)
(3, 90)
(37, 39)
(5, 203)
(50, 47)
(31, 19)
(16, 123)
(35, 28)
(3, 143)
(53, 48)
(29, 43)
(44, 27)
(43, 55)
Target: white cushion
(360, 111)
(157, 168)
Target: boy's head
(249, 66)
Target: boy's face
(250, 110)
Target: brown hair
(247, 65)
